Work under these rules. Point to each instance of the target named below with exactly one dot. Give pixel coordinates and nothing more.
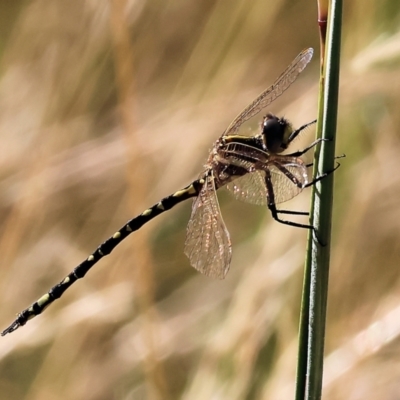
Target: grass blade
(313, 313)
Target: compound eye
(273, 131)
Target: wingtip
(309, 52)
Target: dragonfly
(253, 168)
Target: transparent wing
(208, 245)
(243, 155)
(274, 91)
(250, 188)
(288, 176)
(288, 180)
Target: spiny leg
(290, 212)
(336, 157)
(324, 175)
(313, 144)
(298, 130)
(275, 212)
(103, 250)
(288, 175)
(275, 215)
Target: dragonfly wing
(288, 174)
(243, 155)
(269, 95)
(250, 188)
(288, 177)
(208, 245)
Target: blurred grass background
(105, 108)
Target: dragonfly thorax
(276, 133)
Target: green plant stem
(315, 289)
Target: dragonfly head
(276, 133)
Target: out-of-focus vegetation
(85, 145)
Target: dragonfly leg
(301, 152)
(298, 130)
(275, 214)
(336, 157)
(324, 175)
(292, 212)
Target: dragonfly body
(252, 168)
